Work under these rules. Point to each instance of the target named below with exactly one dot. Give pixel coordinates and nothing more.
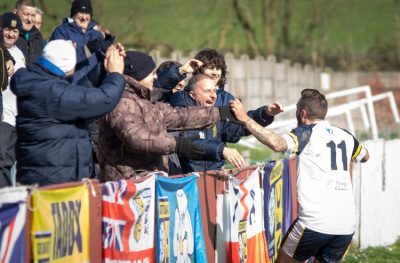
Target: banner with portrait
(180, 234)
(278, 203)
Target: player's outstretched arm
(267, 137)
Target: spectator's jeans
(8, 138)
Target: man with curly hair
(215, 138)
(214, 65)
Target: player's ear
(303, 114)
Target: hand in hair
(190, 66)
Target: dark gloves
(185, 147)
(100, 44)
(226, 115)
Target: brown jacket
(133, 137)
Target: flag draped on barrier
(60, 225)
(154, 218)
(13, 224)
(277, 203)
(128, 220)
(240, 220)
(180, 233)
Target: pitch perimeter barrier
(224, 216)
(213, 217)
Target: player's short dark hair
(21, 3)
(212, 58)
(314, 103)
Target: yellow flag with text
(60, 225)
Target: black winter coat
(31, 48)
(53, 139)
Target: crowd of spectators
(80, 106)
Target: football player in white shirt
(326, 222)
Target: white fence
(285, 122)
(376, 187)
(261, 81)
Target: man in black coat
(30, 40)
(52, 124)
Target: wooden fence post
(245, 61)
(231, 85)
(271, 67)
(156, 56)
(261, 74)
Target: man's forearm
(266, 136)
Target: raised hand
(238, 110)
(273, 109)
(190, 66)
(121, 49)
(102, 30)
(114, 60)
(10, 67)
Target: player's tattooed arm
(274, 141)
(264, 135)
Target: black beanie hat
(138, 65)
(11, 20)
(83, 6)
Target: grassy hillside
(190, 25)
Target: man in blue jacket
(52, 124)
(88, 40)
(201, 91)
(213, 65)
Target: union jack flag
(12, 224)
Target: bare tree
(316, 35)
(285, 28)
(47, 11)
(397, 29)
(268, 17)
(246, 20)
(225, 26)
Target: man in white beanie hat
(52, 124)
(60, 53)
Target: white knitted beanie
(61, 53)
